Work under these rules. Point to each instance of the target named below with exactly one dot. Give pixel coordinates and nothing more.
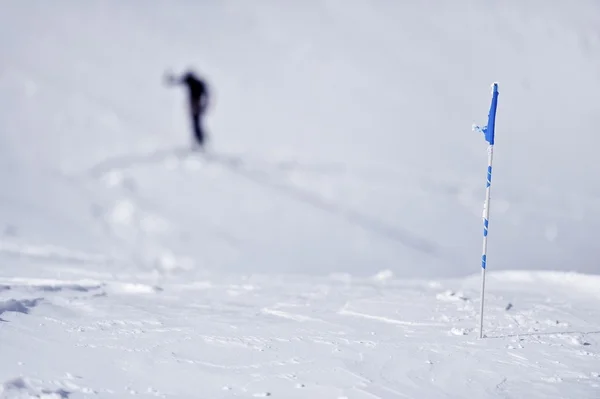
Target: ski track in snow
(263, 176)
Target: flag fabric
(489, 130)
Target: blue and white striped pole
(488, 132)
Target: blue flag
(488, 130)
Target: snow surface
(296, 337)
(328, 243)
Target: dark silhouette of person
(198, 100)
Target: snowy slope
(340, 149)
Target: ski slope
(328, 242)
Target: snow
(318, 337)
(328, 243)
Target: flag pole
(486, 218)
(488, 132)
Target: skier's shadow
(236, 164)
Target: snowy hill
(340, 149)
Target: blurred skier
(198, 100)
